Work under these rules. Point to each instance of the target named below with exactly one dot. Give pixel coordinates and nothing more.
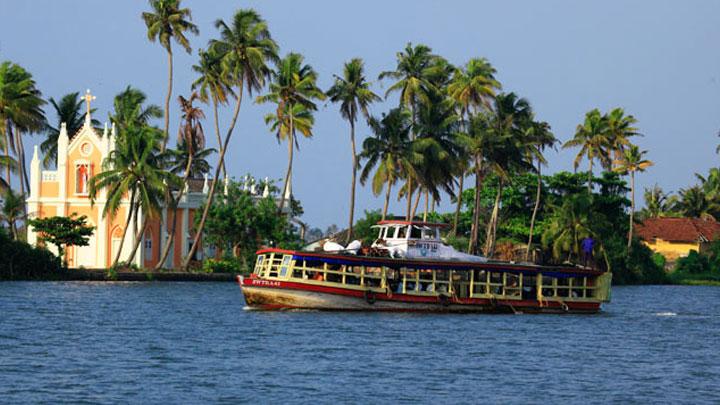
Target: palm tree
(568, 226)
(68, 111)
(538, 133)
(391, 150)
(179, 159)
(20, 112)
(472, 87)
(412, 74)
(133, 168)
(353, 93)
(632, 162)
(130, 111)
(12, 211)
(593, 139)
(213, 85)
(693, 202)
(510, 119)
(167, 22)
(245, 49)
(620, 128)
(293, 84)
(192, 136)
(658, 203)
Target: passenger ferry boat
(409, 268)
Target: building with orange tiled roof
(676, 237)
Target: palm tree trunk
(24, 164)
(415, 205)
(534, 214)
(459, 204)
(354, 175)
(127, 225)
(492, 224)
(387, 200)
(223, 149)
(473, 248)
(291, 139)
(174, 204)
(7, 152)
(632, 209)
(167, 98)
(139, 236)
(408, 195)
(427, 202)
(217, 132)
(590, 177)
(22, 174)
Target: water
(194, 342)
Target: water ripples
(195, 342)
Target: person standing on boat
(587, 245)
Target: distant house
(676, 237)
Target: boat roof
(429, 264)
(415, 223)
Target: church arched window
(83, 172)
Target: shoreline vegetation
(456, 132)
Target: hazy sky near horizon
(660, 60)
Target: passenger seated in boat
(430, 288)
(318, 277)
(410, 286)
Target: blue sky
(660, 60)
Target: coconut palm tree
(593, 139)
(414, 66)
(134, 168)
(213, 85)
(693, 202)
(352, 91)
(511, 117)
(391, 149)
(294, 84)
(166, 22)
(245, 48)
(632, 162)
(20, 112)
(192, 137)
(472, 88)
(540, 136)
(620, 128)
(179, 160)
(568, 226)
(12, 211)
(658, 203)
(130, 110)
(68, 111)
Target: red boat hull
(283, 295)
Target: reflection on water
(191, 342)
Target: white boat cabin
(416, 240)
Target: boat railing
(487, 284)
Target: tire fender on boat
(370, 297)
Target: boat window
(428, 233)
(284, 266)
(394, 232)
(402, 233)
(415, 232)
(259, 264)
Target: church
(64, 191)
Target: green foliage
(21, 261)
(63, 231)
(226, 265)
(240, 223)
(363, 230)
(693, 263)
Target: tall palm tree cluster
(450, 122)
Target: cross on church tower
(88, 98)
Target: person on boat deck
(318, 277)
(587, 245)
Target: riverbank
(104, 275)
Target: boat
(409, 268)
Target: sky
(659, 60)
